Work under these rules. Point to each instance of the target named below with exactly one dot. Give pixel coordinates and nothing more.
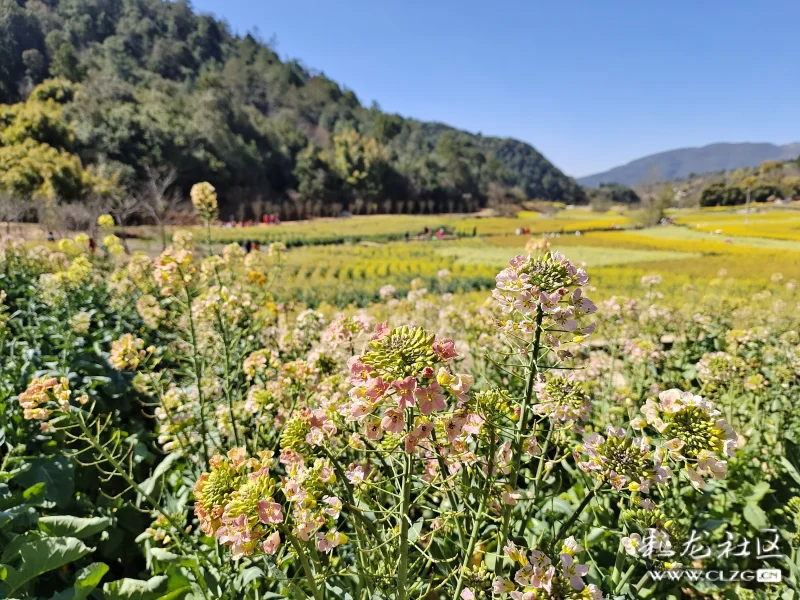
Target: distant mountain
(680, 163)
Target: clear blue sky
(591, 84)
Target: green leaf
(760, 490)
(65, 525)
(40, 555)
(756, 516)
(337, 592)
(163, 555)
(35, 492)
(248, 576)
(166, 556)
(790, 469)
(89, 577)
(56, 474)
(414, 531)
(136, 589)
(86, 581)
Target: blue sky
(591, 84)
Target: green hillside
(145, 86)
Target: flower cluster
(105, 221)
(150, 310)
(642, 351)
(128, 351)
(3, 309)
(236, 502)
(173, 269)
(396, 376)
(719, 368)
(539, 578)
(40, 392)
(113, 245)
(204, 200)
(537, 245)
(80, 322)
(624, 462)
(562, 399)
(549, 286)
(696, 433)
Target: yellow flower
(105, 221)
(204, 200)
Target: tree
(312, 173)
(733, 195)
(157, 200)
(360, 161)
(791, 186)
(763, 192)
(713, 194)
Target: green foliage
(613, 193)
(32, 169)
(713, 195)
(766, 191)
(160, 86)
(32, 556)
(35, 143)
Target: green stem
(115, 464)
(198, 376)
(574, 516)
(450, 494)
(625, 578)
(301, 555)
(228, 396)
(533, 370)
(476, 527)
(405, 504)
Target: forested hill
(130, 87)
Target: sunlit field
(340, 412)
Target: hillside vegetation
(108, 95)
(685, 162)
(769, 181)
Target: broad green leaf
(86, 581)
(89, 577)
(337, 592)
(35, 492)
(163, 555)
(756, 516)
(40, 555)
(176, 594)
(414, 531)
(79, 527)
(136, 589)
(56, 474)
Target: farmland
(340, 412)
